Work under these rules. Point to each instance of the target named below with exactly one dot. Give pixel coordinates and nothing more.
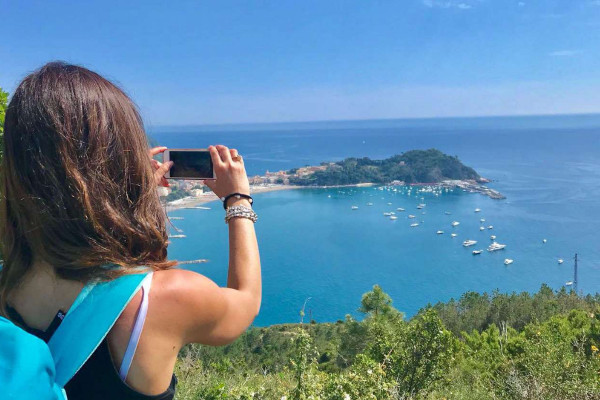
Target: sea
(319, 254)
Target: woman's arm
(194, 307)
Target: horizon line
(458, 117)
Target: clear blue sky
(202, 62)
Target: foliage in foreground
(3, 105)
(547, 348)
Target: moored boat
(496, 246)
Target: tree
(3, 105)
(376, 302)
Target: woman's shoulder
(198, 309)
(184, 302)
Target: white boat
(482, 220)
(508, 261)
(387, 214)
(355, 207)
(491, 227)
(455, 223)
(453, 235)
(393, 217)
(481, 228)
(440, 232)
(177, 236)
(420, 206)
(475, 252)
(493, 237)
(369, 204)
(411, 216)
(496, 246)
(560, 261)
(399, 209)
(447, 212)
(413, 225)
(570, 283)
(328, 195)
(468, 242)
(477, 210)
(544, 241)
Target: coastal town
(192, 193)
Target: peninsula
(415, 167)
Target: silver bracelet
(240, 212)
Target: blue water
(313, 245)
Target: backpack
(30, 369)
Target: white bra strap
(137, 328)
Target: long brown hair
(77, 187)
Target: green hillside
(415, 166)
(481, 346)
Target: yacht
(481, 228)
(393, 217)
(440, 232)
(411, 216)
(389, 204)
(447, 212)
(399, 209)
(387, 214)
(496, 246)
(475, 252)
(177, 236)
(413, 225)
(560, 261)
(453, 235)
(508, 261)
(491, 227)
(482, 220)
(455, 223)
(544, 241)
(369, 204)
(468, 243)
(420, 206)
(477, 210)
(355, 207)
(493, 237)
(570, 283)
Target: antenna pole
(575, 274)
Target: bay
(314, 245)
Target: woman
(79, 203)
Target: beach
(195, 201)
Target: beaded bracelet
(240, 212)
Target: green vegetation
(3, 105)
(481, 346)
(176, 194)
(415, 166)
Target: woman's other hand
(160, 169)
(230, 174)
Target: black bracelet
(237, 196)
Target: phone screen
(191, 164)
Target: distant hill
(415, 166)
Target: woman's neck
(42, 294)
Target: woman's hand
(231, 174)
(160, 169)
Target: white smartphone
(189, 164)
